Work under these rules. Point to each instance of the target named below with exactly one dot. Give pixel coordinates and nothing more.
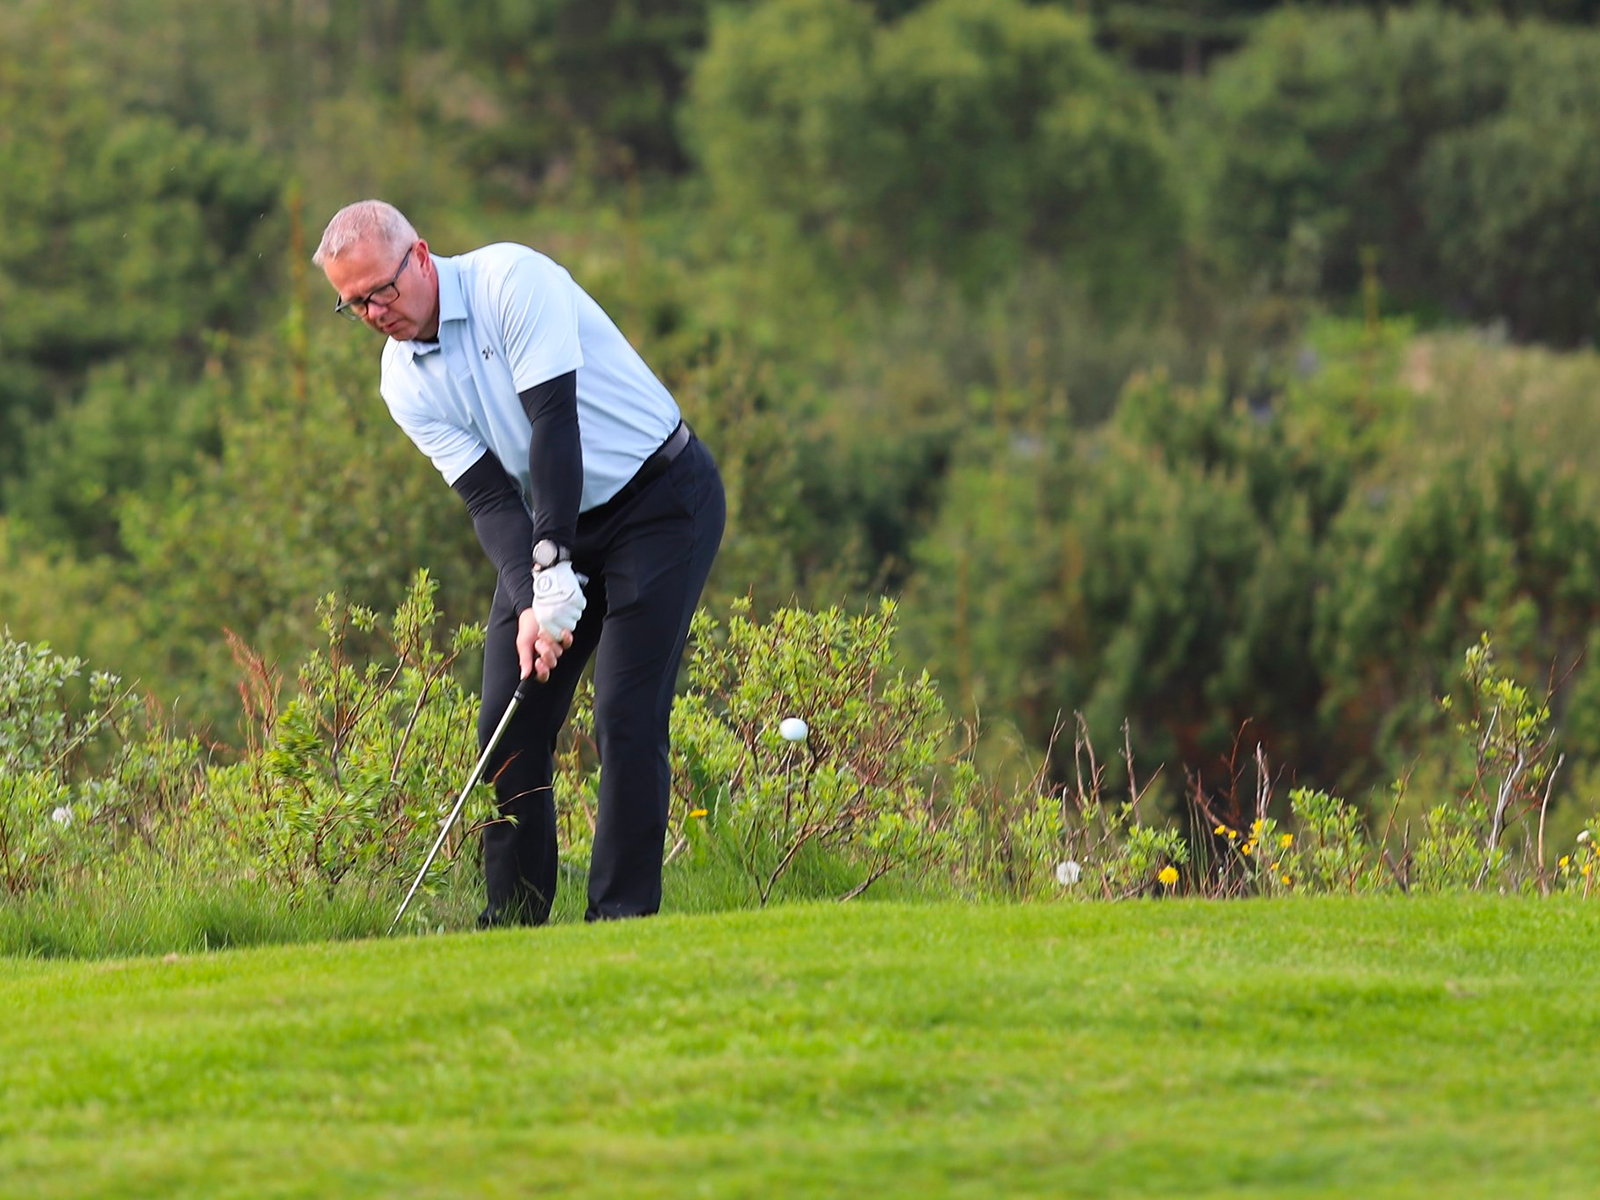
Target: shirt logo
(487, 354)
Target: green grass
(1310, 1047)
(125, 909)
(122, 915)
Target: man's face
(397, 288)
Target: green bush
(1460, 149)
(869, 782)
(1164, 569)
(964, 135)
(84, 772)
(351, 774)
(1297, 568)
(131, 234)
(1318, 127)
(590, 84)
(120, 834)
(313, 489)
(1511, 201)
(1480, 539)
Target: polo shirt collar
(452, 306)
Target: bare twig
(82, 735)
(1263, 784)
(678, 848)
(1399, 794)
(411, 723)
(1504, 798)
(1127, 757)
(1544, 805)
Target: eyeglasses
(355, 309)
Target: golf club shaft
(472, 782)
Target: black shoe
(502, 917)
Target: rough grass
(123, 910)
(1324, 1047)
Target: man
(598, 507)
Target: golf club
(472, 781)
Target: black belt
(648, 470)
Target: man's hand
(558, 600)
(537, 652)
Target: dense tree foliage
(1073, 324)
(1461, 151)
(965, 135)
(128, 234)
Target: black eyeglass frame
(355, 309)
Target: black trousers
(647, 562)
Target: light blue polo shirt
(509, 319)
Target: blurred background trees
(1210, 368)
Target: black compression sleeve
(502, 525)
(555, 459)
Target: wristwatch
(547, 554)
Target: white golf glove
(557, 599)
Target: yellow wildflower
(697, 812)
(1274, 866)
(1564, 861)
(1255, 826)
(1587, 867)
(1169, 875)
(1247, 847)
(1285, 881)
(1222, 829)
(1286, 840)
(1233, 835)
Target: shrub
(1511, 200)
(111, 211)
(352, 774)
(1316, 130)
(1480, 540)
(868, 783)
(84, 772)
(964, 135)
(1459, 149)
(347, 774)
(1331, 852)
(1165, 568)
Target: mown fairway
(1316, 1048)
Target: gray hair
(364, 221)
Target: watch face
(545, 553)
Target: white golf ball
(1068, 873)
(793, 729)
(62, 816)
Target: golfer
(599, 508)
